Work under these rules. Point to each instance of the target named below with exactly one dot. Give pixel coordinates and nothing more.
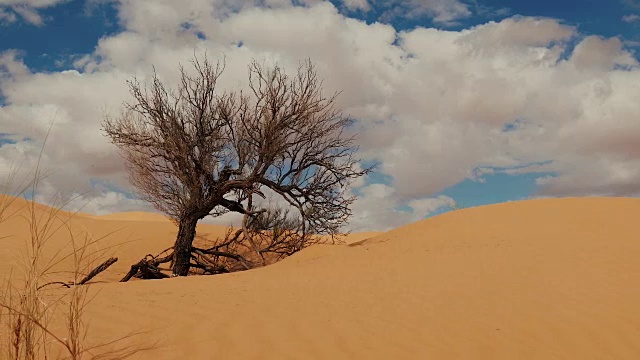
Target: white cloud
(378, 208)
(425, 206)
(31, 3)
(354, 5)
(631, 18)
(442, 12)
(594, 177)
(517, 32)
(105, 202)
(27, 9)
(11, 67)
(445, 12)
(431, 104)
(597, 53)
(29, 14)
(7, 17)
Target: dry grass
(39, 321)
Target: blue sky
(71, 30)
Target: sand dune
(540, 279)
(119, 235)
(134, 216)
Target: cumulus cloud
(95, 202)
(517, 32)
(595, 52)
(442, 12)
(7, 17)
(11, 66)
(353, 5)
(380, 208)
(432, 105)
(26, 9)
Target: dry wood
(147, 268)
(98, 269)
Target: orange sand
(134, 216)
(540, 279)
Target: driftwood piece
(147, 268)
(207, 266)
(241, 259)
(100, 268)
(144, 270)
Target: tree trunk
(182, 247)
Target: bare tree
(194, 153)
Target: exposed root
(147, 268)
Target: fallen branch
(155, 260)
(147, 268)
(236, 257)
(144, 269)
(208, 266)
(100, 268)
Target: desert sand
(537, 279)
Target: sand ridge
(134, 216)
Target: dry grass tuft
(40, 322)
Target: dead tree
(193, 152)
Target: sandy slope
(542, 279)
(127, 236)
(133, 216)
